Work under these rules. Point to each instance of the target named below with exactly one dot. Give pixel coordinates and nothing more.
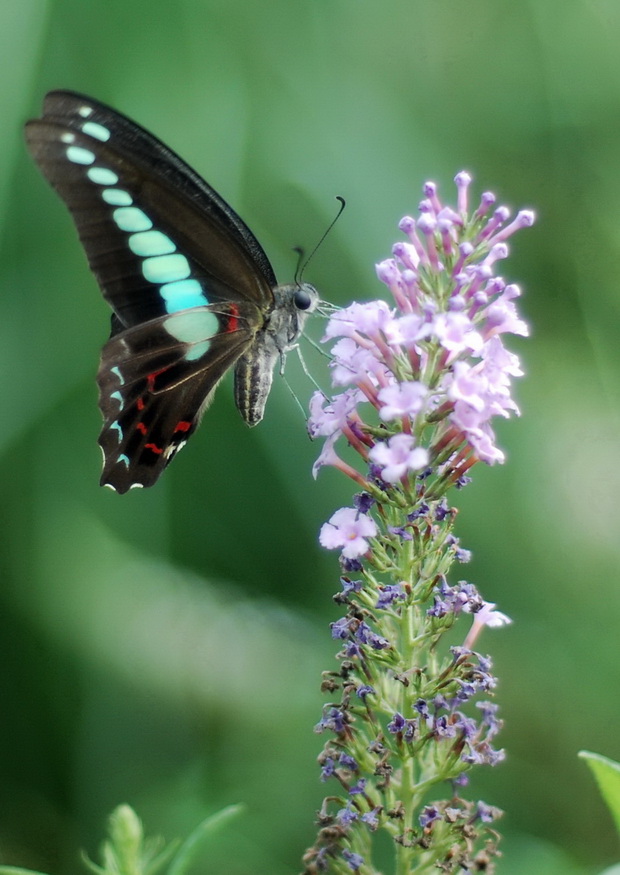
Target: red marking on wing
(182, 426)
(154, 448)
(150, 380)
(233, 319)
(140, 403)
(141, 427)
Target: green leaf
(607, 775)
(127, 851)
(198, 838)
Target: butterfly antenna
(300, 252)
(306, 371)
(305, 367)
(317, 346)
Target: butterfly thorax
(254, 369)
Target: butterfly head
(294, 302)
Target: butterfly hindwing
(156, 380)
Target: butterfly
(191, 290)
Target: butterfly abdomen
(253, 378)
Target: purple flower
(351, 650)
(400, 726)
(463, 481)
(365, 634)
(369, 318)
(429, 815)
(363, 502)
(330, 417)
(443, 728)
(327, 456)
(456, 333)
(401, 532)
(341, 628)
(348, 762)
(485, 616)
(349, 529)
(420, 511)
(358, 789)
(401, 399)
(421, 706)
(455, 599)
(397, 456)
(349, 585)
(350, 565)
(487, 813)
(442, 510)
(489, 718)
(482, 754)
(389, 594)
(465, 725)
(371, 818)
(327, 769)
(354, 861)
(352, 363)
(347, 816)
(333, 719)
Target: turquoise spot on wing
(116, 197)
(79, 155)
(166, 268)
(125, 460)
(117, 373)
(151, 243)
(119, 398)
(131, 219)
(116, 427)
(196, 328)
(97, 131)
(182, 295)
(102, 176)
(197, 350)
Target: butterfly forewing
(157, 236)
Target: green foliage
(607, 775)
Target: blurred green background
(164, 648)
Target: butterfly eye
(302, 299)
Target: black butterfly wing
(157, 379)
